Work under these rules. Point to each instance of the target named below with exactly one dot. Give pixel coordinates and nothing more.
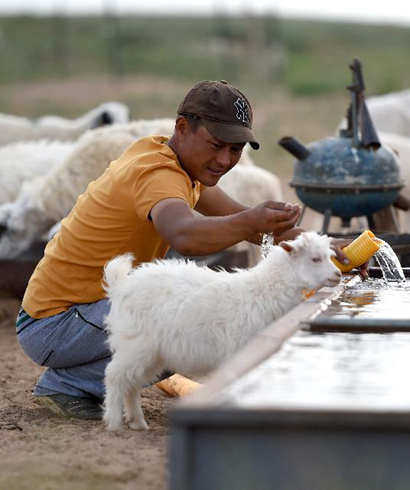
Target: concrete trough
(299, 410)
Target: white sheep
(15, 128)
(46, 200)
(23, 161)
(189, 319)
(390, 113)
(401, 146)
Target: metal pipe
(294, 147)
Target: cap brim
(231, 133)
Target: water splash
(389, 263)
(267, 244)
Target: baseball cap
(225, 111)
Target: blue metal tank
(348, 181)
(351, 175)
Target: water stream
(389, 263)
(267, 244)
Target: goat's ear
(286, 246)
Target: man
(141, 204)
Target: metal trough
(362, 311)
(328, 411)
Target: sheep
(15, 128)
(46, 200)
(401, 146)
(23, 161)
(390, 113)
(189, 319)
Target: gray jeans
(73, 345)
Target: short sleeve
(160, 182)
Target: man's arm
(189, 234)
(215, 202)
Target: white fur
(47, 199)
(401, 146)
(23, 161)
(390, 113)
(189, 319)
(15, 128)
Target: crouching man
(142, 204)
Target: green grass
(308, 57)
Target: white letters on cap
(242, 112)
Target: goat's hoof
(139, 425)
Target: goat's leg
(116, 386)
(133, 410)
(130, 400)
(135, 415)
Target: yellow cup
(359, 251)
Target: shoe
(87, 408)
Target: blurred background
(291, 59)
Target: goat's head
(311, 254)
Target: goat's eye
(316, 259)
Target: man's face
(204, 157)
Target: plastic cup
(359, 251)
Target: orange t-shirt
(109, 219)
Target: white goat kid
(189, 319)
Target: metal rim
(347, 188)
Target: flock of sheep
(45, 164)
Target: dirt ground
(40, 451)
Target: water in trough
(353, 355)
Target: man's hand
(275, 217)
(338, 244)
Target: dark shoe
(88, 408)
